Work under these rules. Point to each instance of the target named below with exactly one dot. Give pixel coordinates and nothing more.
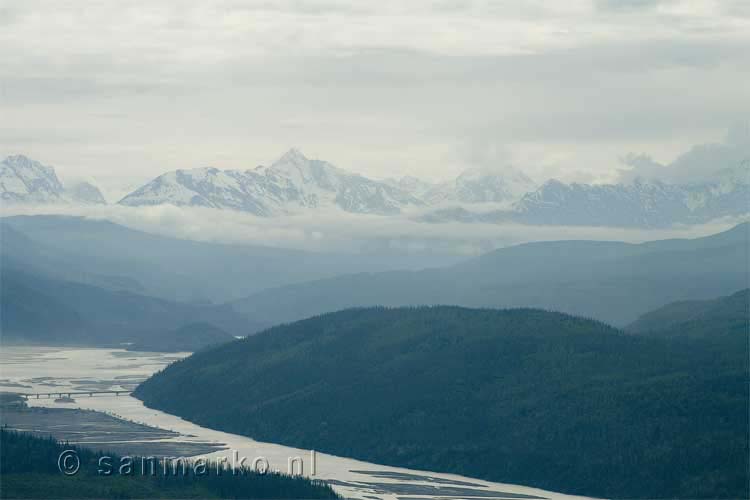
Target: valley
(574, 367)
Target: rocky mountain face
(23, 180)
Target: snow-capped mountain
(638, 204)
(727, 194)
(290, 184)
(641, 203)
(294, 184)
(23, 180)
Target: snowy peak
(294, 157)
(23, 180)
(301, 171)
(290, 184)
(23, 165)
(26, 180)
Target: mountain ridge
(295, 184)
(110, 255)
(291, 183)
(627, 279)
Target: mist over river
(35, 369)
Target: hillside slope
(40, 309)
(707, 319)
(610, 281)
(28, 313)
(521, 396)
(109, 255)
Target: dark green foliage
(521, 396)
(721, 320)
(28, 469)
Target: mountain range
(267, 286)
(610, 281)
(294, 184)
(95, 276)
(638, 204)
(111, 256)
(290, 184)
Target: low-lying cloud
(344, 232)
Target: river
(27, 369)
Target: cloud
(126, 91)
(341, 232)
(699, 163)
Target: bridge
(69, 394)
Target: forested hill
(725, 316)
(520, 396)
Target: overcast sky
(120, 92)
